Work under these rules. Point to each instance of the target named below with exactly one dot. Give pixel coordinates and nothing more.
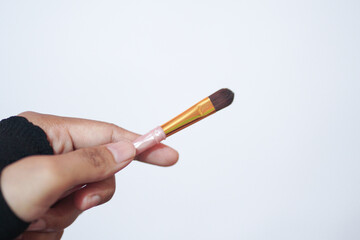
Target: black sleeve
(19, 138)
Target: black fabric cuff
(19, 138)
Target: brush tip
(222, 98)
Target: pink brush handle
(149, 140)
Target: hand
(34, 187)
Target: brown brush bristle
(222, 98)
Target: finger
(42, 235)
(95, 194)
(65, 212)
(43, 179)
(67, 134)
(83, 133)
(160, 155)
(94, 164)
(57, 218)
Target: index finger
(83, 131)
(68, 134)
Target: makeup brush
(214, 103)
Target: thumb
(33, 184)
(94, 164)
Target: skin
(52, 191)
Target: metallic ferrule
(197, 112)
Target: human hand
(34, 186)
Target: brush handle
(149, 140)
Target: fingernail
(39, 224)
(91, 201)
(122, 151)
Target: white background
(282, 162)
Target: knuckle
(109, 193)
(118, 133)
(60, 223)
(58, 219)
(113, 126)
(95, 156)
(26, 113)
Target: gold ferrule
(197, 112)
